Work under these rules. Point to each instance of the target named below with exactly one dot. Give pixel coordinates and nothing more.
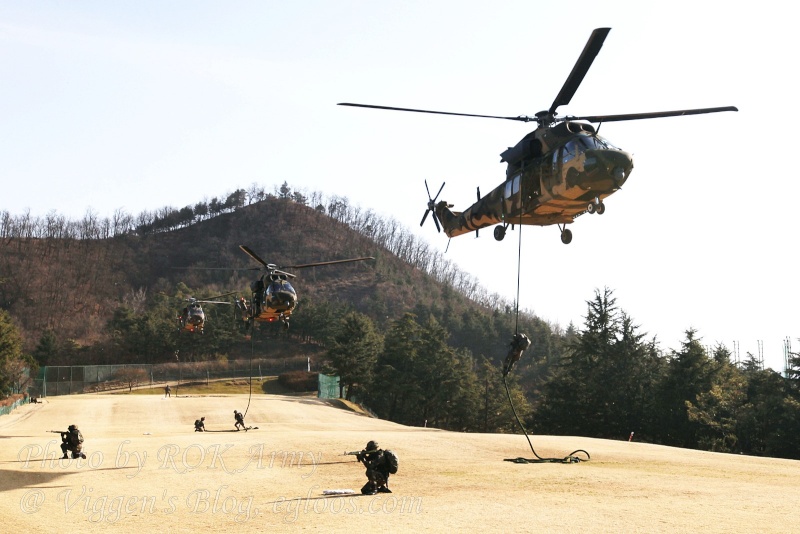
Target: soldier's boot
(369, 489)
(384, 489)
(65, 457)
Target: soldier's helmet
(202, 418)
(372, 446)
(72, 427)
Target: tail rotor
(431, 206)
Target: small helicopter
(192, 318)
(274, 298)
(559, 171)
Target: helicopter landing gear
(499, 232)
(566, 234)
(596, 206)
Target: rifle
(58, 432)
(357, 454)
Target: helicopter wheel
(499, 232)
(566, 236)
(591, 208)
(601, 208)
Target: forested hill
(66, 280)
(413, 338)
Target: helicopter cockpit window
(570, 150)
(281, 285)
(592, 143)
(512, 186)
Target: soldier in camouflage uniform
(519, 343)
(377, 466)
(72, 441)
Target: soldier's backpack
(391, 461)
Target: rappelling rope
(252, 351)
(570, 458)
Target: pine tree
(354, 352)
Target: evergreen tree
(394, 389)
(770, 417)
(603, 384)
(47, 348)
(494, 412)
(13, 364)
(571, 401)
(420, 380)
(716, 411)
(689, 374)
(354, 352)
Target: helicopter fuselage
(192, 318)
(274, 298)
(554, 175)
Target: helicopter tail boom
(456, 223)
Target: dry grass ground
(147, 471)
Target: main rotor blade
(654, 115)
(218, 268)
(213, 300)
(521, 118)
(580, 69)
(326, 263)
(253, 255)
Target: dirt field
(147, 471)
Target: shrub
(298, 381)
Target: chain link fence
(68, 380)
(5, 410)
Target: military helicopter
(273, 297)
(192, 318)
(556, 173)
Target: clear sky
(146, 104)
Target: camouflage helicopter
(556, 173)
(273, 297)
(192, 318)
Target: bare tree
(132, 376)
